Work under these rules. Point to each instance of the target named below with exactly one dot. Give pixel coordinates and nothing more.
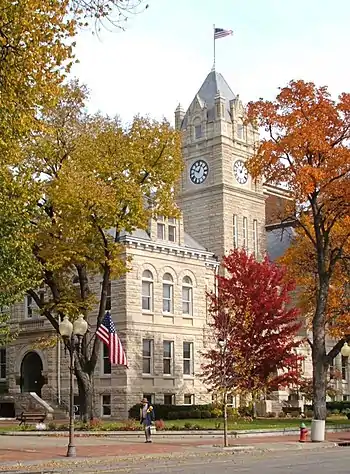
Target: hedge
(182, 412)
(174, 412)
(331, 406)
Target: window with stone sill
(2, 363)
(235, 231)
(255, 237)
(245, 233)
(197, 131)
(168, 293)
(106, 405)
(188, 399)
(344, 367)
(106, 363)
(187, 296)
(168, 360)
(187, 358)
(169, 399)
(160, 231)
(172, 229)
(149, 396)
(147, 356)
(147, 291)
(31, 309)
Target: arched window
(147, 291)
(187, 296)
(168, 293)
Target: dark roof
(278, 240)
(213, 84)
(189, 242)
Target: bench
(292, 410)
(24, 418)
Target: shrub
(232, 414)
(216, 412)
(281, 414)
(335, 411)
(206, 414)
(309, 413)
(188, 426)
(95, 425)
(160, 425)
(130, 425)
(271, 414)
(163, 411)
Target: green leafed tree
(96, 178)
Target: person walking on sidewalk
(147, 418)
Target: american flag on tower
(107, 333)
(221, 33)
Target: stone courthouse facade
(159, 307)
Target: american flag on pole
(107, 334)
(221, 33)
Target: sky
(166, 52)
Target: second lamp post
(72, 335)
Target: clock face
(240, 171)
(199, 172)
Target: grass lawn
(261, 423)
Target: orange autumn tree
(306, 149)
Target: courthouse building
(160, 307)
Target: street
(322, 461)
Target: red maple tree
(252, 315)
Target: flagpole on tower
(214, 47)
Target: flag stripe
(221, 33)
(107, 334)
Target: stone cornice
(174, 250)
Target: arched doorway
(32, 379)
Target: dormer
(167, 230)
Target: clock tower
(223, 208)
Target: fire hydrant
(303, 433)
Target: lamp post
(345, 350)
(72, 335)
(222, 345)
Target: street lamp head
(80, 326)
(222, 343)
(66, 327)
(345, 350)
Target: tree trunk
(85, 394)
(319, 355)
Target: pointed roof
(213, 84)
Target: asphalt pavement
(323, 461)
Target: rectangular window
(344, 367)
(167, 298)
(245, 233)
(255, 237)
(188, 358)
(187, 300)
(31, 309)
(198, 131)
(169, 399)
(106, 363)
(2, 364)
(172, 229)
(106, 405)
(167, 357)
(240, 130)
(160, 231)
(188, 399)
(147, 292)
(149, 397)
(235, 231)
(147, 356)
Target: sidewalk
(29, 453)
